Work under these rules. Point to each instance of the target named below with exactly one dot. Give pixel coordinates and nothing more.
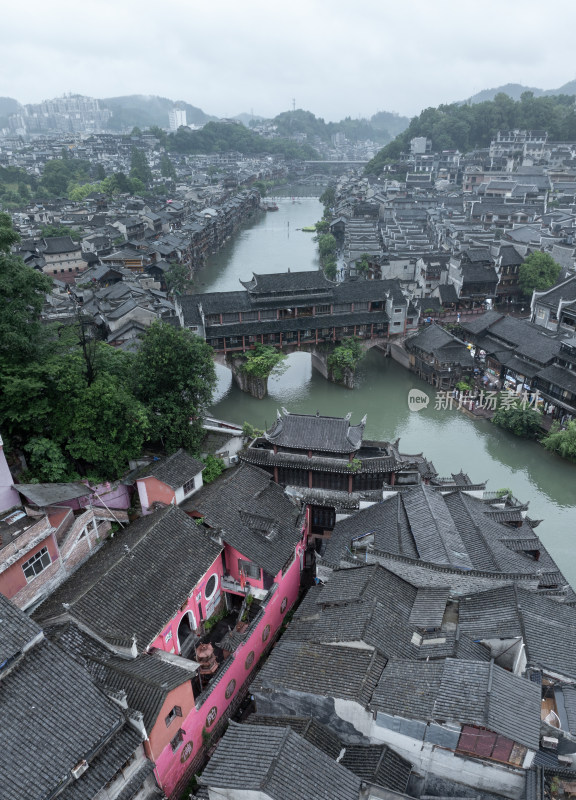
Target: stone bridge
(258, 387)
(298, 311)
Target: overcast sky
(332, 57)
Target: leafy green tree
(178, 279)
(521, 421)
(250, 432)
(345, 358)
(22, 295)
(46, 461)
(262, 361)
(330, 266)
(214, 467)
(328, 196)
(563, 441)
(363, 264)
(139, 168)
(8, 235)
(167, 169)
(109, 427)
(538, 272)
(323, 226)
(60, 230)
(174, 378)
(327, 245)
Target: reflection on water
(452, 439)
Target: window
(188, 486)
(397, 323)
(176, 712)
(210, 587)
(35, 565)
(249, 569)
(177, 740)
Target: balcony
(230, 584)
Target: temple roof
(308, 432)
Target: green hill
(467, 127)
(143, 111)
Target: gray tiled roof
(253, 514)
(547, 626)
(106, 764)
(348, 673)
(138, 580)
(308, 432)
(306, 727)
(174, 470)
(52, 696)
(468, 692)
(146, 679)
(16, 630)
(376, 764)
(279, 764)
(278, 283)
(46, 494)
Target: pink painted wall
(109, 495)
(8, 496)
(231, 556)
(160, 736)
(168, 638)
(13, 579)
(151, 490)
(170, 767)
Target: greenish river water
(451, 439)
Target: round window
(249, 660)
(283, 605)
(211, 586)
(230, 689)
(266, 633)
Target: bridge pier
(320, 363)
(251, 384)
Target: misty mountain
(9, 106)
(515, 91)
(142, 111)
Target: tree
(22, 294)
(262, 361)
(538, 272)
(178, 278)
(345, 358)
(8, 235)
(139, 168)
(519, 420)
(174, 377)
(214, 467)
(167, 169)
(562, 442)
(109, 427)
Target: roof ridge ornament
(286, 413)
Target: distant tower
(177, 117)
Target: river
(451, 439)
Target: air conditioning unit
(79, 769)
(234, 459)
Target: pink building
(169, 481)
(41, 546)
(153, 596)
